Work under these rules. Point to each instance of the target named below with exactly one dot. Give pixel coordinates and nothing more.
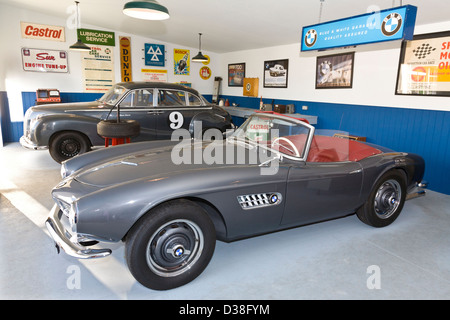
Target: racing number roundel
(176, 120)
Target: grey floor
(340, 259)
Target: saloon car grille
(64, 206)
(252, 201)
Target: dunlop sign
(125, 58)
(42, 32)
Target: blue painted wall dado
(425, 132)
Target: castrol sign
(42, 32)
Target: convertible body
(273, 173)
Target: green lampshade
(79, 46)
(146, 9)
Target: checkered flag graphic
(423, 50)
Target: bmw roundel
(310, 38)
(391, 24)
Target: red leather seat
(332, 149)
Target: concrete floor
(340, 259)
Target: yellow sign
(205, 73)
(207, 61)
(125, 58)
(181, 62)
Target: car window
(194, 100)
(171, 98)
(141, 98)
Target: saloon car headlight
(70, 210)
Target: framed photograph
(335, 71)
(236, 74)
(276, 73)
(424, 66)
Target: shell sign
(42, 32)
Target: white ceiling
(229, 25)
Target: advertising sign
(43, 60)
(42, 32)
(154, 75)
(181, 64)
(155, 55)
(125, 58)
(97, 37)
(98, 69)
(425, 65)
(386, 25)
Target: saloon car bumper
(26, 143)
(62, 241)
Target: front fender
(47, 126)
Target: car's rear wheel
(171, 245)
(386, 200)
(68, 144)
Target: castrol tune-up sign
(42, 32)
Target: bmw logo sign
(310, 38)
(391, 24)
(274, 198)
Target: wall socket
(304, 107)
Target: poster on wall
(335, 71)
(98, 69)
(125, 59)
(42, 32)
(154, 75)
(236, 74)
(424, 67)
(43, 60)
(276, 73)
(155, 55)
(96, 37)
(181, 63)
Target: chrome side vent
(259, 200)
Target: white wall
(14, 80)
(374, 80)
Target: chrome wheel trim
(174, 248)
(387, 199)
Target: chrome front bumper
(417, 191)
(59, 235)
(26, 143)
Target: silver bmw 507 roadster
(169, 201)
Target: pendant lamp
(199, 57)
(146, 9)
(79, 46)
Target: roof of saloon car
(160, 85)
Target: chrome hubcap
(174, 248)
(387, 199)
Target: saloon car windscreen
(113, 95)
(282, 135)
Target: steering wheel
(294, 149)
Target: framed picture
(236, 74)
(335, 71)
(276, 73)
(424, 66)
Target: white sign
(98, 68)
(154, 75)
(42, 32)
(42, 60)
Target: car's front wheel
(171, 245)
(386, 200)
(68, 144)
